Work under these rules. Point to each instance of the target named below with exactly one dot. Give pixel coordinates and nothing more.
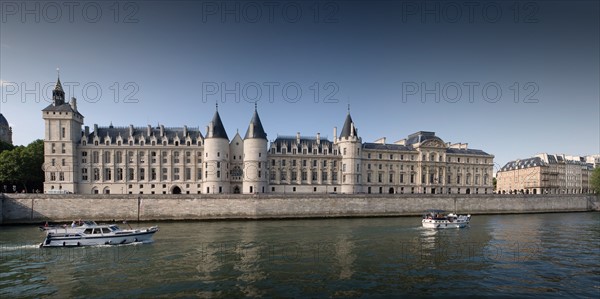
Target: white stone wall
(255, 166)
(216, 165)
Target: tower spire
(58, 94)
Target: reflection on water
(521, 255)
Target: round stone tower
(350, 146)
(256, 178)
(216, 157)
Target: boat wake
(9, 247)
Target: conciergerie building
(183, 160)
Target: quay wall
(37, 208)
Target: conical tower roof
(257, 128)
(349, 129)
(218, 128)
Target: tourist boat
(89, 233)
(437, 219)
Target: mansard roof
(348, 128)
(168, 132)
(3, 121)
(466, 151)
(420, 137)
(218, 128)
(258, 131)
(525, 163)
(389, 147)
(310, 142)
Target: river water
(533, 255)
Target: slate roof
(393, 147)
(525, 163)
(310, 142)
(259, 131)
(466, 151)
(58, 85)
(346, 130)
(3, 121)
(218, 128)
(420, 137)
(169, 132)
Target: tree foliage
(595, 179)
(22, 166)
(4, 146)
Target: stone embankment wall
(37, 208)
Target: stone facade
(5, 130)
(163, 160)
(547, 174)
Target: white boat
(437, 219)
(89, 233)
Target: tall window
(106, 157)
(84, 174)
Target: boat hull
(74, 239)
(430, 223)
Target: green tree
(11, 169)
(22, 166)
(5, 146)
(595, 180)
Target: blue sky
(510, 78)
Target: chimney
(351, 129)
(162, 131)
(297, 137)
(185, 132)
(130, 130)
(149, 131)
(74, 104)
(318, 138)
(95, 129)
(87, 131)
(334, 134)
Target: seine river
(535, 255)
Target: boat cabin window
(105, 230)
(114, 227)
(96, 231)
(88, 231)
